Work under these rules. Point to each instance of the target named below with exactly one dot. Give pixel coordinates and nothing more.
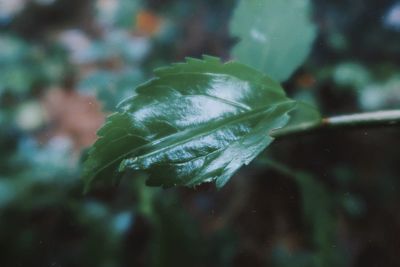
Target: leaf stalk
(368, 119)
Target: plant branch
(368, 119)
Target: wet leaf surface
(195, 122)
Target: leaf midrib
(199, 131)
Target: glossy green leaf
(275, 35)
(195, 122)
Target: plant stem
(368, 119)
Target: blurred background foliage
(319, 200)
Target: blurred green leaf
(24, 65)
(110, 87)
(121, 13)
(12, 49)
(282, 257)
(319, 213)
(276, 35)
(172, 225)
(126, 12)
(381, 95)
(318, 210)
(351, 74)
(196, 122)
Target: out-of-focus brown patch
(305, 80)
(148, 23)
(73, 115)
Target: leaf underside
(275, 35)
(195, 122)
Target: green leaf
(195, 122)
(303, 117)
(122, 14)
(276, 35)
(303, 114)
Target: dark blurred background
(326, 199)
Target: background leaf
(276, 35)
(110, 87)
(195, 122)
